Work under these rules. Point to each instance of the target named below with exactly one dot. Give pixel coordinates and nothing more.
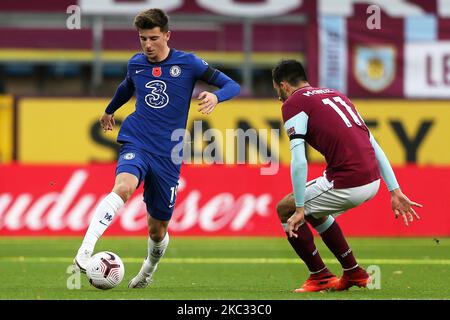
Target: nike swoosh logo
(139, 71)
(111, 256)
(171, 205)
(103, 223)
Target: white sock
(156, 251)
(102, 218)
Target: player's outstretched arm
(124, 92)
(228, 89)
(208, 101)
(107, 121)
(400, 203)
(299, 172)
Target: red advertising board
(212, 200)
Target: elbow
(238, 88)
(235, 88)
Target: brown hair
(152, 18)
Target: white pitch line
(235, 260)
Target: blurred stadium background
(56, 163)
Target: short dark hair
(291, 71)
(152, 18)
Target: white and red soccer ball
(105, 270)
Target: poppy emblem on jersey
(129, 156)
(175, 71)
(157, 71)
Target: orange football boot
(319, 282)
(359, 278)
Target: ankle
(86, 249)
(353, 270)
(320, 273)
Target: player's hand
(208, 102)
(107, 122)
(401, 205)
(295, 221)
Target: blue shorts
(160, 176)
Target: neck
(301, 85)
(164, 54)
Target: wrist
(109, 111)
(396, 191)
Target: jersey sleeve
(199, 66)
(387, 173)
(124, 92)
(296, 126)
(295, 123)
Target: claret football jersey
(331, 124)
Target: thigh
(321, 199)
(160, 189)
(330, 201)
(132, 162)
(359, 195)
(286, 206)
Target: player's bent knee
(315, 221)
(157, 235)
(283, 211)
(124, 190)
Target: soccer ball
(105, 270)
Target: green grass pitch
(224, 268)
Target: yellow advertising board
(6, 128)
(67, 130)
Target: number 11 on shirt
(330, 103)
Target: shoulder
(290, 108)
(136, 57)
(193, 58)
(181, 55)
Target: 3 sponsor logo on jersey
(175, 71)
(157, 98)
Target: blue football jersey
(163, 93)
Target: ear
(284, 85)
(168, 35)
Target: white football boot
(144, 276)
(82, 259)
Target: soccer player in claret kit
(330, 123)
(163, 79)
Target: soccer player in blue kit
(163, 79)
